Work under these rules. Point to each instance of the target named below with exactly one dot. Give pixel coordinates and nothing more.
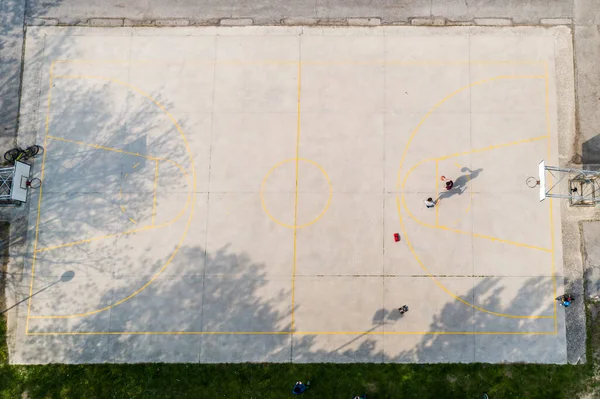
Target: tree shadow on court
(461, 183)
(99, 178)
(235, 296)
(590, 153)
(441, 346)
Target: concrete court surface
(231, 194)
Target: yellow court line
(398, 186)
(312, 333)
(122, 209)
(291, 62)
(151, 227)
(447, 228)
(410, 247)
(293, 325)
(37, 222)
(191, 195)
(100, 147)
(154, 199)
(476, 235)
(132, 221)
(441, 102)
(92, 239)
(136, 165)
(548, 131)
(297, 333)
(264, 202)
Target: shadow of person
(460, 184)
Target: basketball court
(232, 195)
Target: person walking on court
(403, 309)
(449, 182)
(429, 203)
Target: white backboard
(18, 191)
(542, 178)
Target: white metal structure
(13, 182)
(581, 187)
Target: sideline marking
(191, 195)
(309, 63)
(293, 325)
(548, 131)
(398, 185)
(299, 333)
(37, 222)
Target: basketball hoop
(532, 182)
(34, 183)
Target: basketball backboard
(21, 174)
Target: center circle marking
(296, 226)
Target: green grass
(330, 381)
(276, 381)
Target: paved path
(269, 12)
(12, 13)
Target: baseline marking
(299, 333)
(548, 132)
(37, 223)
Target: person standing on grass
(300, 388)
(429, 203)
